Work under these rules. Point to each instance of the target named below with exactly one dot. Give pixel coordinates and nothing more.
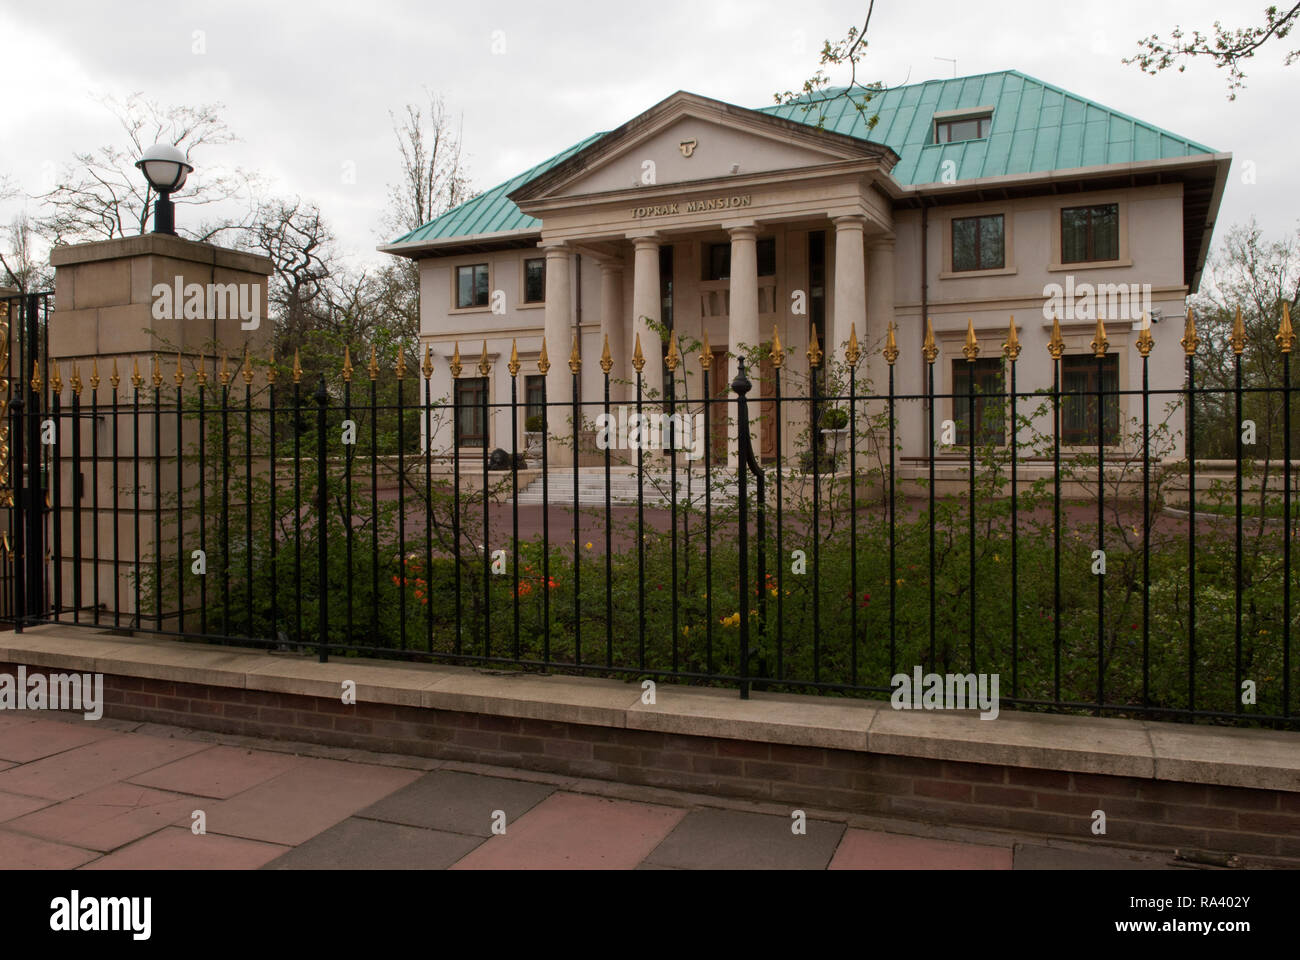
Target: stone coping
(1225, 756)
(164, 245)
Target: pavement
(120, 795)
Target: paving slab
(571, 832)
(21, 852)
(219, 772)
(357, 844)
(734, 840)
(1035, 856)
(15, 805)
(107, 818)
(871, 850)
(176, 848)
(24, 738)
(305, 800)
(458, 802)
(82, 769)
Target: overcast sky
(308, 86)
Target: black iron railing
(236, 502)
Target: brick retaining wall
(1158, 813)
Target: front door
(719, 409)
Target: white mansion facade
(969, 201)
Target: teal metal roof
(1036, 128)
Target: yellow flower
(899, 581)
(588, 544)
(996, 558)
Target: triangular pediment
(688, 138)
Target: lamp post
(166, 168)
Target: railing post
(322, 525)
(741, 387)
(19, 552)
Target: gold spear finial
(36, 376)
(706, 353)
(575, 357)
(1285, 336)
(1099, 341)
(483, 366)
(400, 367)
(814, 350)
(56, 381)
(373, 368)
(347, 364)
(271, 372)
(202, 373)
(638, 358)
(76, 379)
(157, 372)
(1056, 346)
(778, 354)
(513, 365)
(606, 358)
(94, 373)
(1011, 347)
(543, 361)
(673, 357)
(1190, 341)
(427, 367)
(297, 367)
(1238, 338)
(248, 367)
(929, 349)
(853, 354)
(136, 380)
(455, 366)
(891, 345)
(224, 374)
(1145, 341)
(179, 375)
(116, 378)
(970, 348)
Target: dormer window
(952, 128)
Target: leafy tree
(1225, 49)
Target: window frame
(1111, 426)
(996, 400)
(1089, 235)
(979, 267)
(523, 282)
(464, 384)
(983, 121)
(455, 286)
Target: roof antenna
(953, 61)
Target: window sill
(976, 274)
(1088, 265)
(540, 304)
(459, 310)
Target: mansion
(967, 202)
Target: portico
(717, 226)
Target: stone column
(614, 326)
(742, 323)
(558, 329)
(880, 306)
(646, 303)
(850, 286)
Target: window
(534, 394)
(989, 401)
(1080, 377)
(471, 392)
(979, 243)
(964, 128)
(717, 259)
(472, 285)
(1090, 233)
(535, 280)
